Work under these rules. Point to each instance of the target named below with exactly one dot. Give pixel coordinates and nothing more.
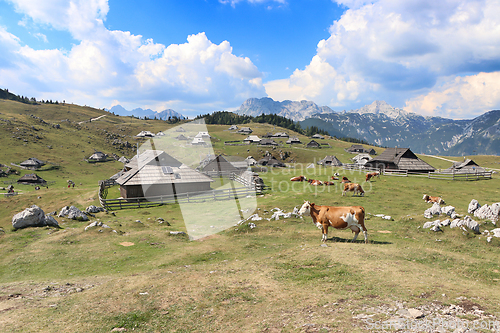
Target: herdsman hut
(98, 157)
(313, 144)
(399, 159)
(31, 178)
(155, 173)
(467, 166)
(330, 160)
(32, 163)
(215, 166)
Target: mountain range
(381, 124)
(141, 113)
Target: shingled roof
(400, 159)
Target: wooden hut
(98, 157)
(330, 160)
(313, 144)
(245, 130)
(293, 140)
(360, 149)
(318, 136)
(268, 142)
(32, 163)
(145, 134)
(252, 139)
(270, 160)
(31, 178)
(220, 166)
(467, 166)
(399, 159)
(155, 173)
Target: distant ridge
(381, 124)
(141, 113)
(292, 110)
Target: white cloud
(395, 50)
(108, 66)
(41, 37)
(460, 97)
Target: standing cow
(337, 217)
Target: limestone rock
(73, 213)
(33, 216)
(94, 209)
(434, 210)
(473, 205)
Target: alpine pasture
(273, 276)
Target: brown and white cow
(315, 182)
(355, 188)
(371, 175)
(428, 199)
(298, 179)
(345, 180)
(328, 183)
(352, 217)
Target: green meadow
(275, 277)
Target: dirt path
(92, 119)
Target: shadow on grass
(345, 240)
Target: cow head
(425, 197)
(306, 208)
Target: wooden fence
(430, 175)
(358, 167)
(460, 176)
(190, 197)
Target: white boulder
(33, 216)
(434, 210)
(94, 209)
(71, 212)
(473, 205)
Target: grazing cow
(371, 175)
(345, 180)
(337, 217)
(428, 199)
(298, 179)
(315, 182)
(355, 188)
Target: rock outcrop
(33, 216)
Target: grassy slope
(273, 277)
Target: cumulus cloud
(396, 50)
(105, 66)
(460, 97)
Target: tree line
(5, 94)
(230, 118)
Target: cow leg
(356, 231)
(365, 233)
(325, 234)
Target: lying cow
(328, 183)
(355, 188)
(298, 179)
(315, 182)
(371, 175)
(336, 217)
(428, 199)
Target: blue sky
(439, 58)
